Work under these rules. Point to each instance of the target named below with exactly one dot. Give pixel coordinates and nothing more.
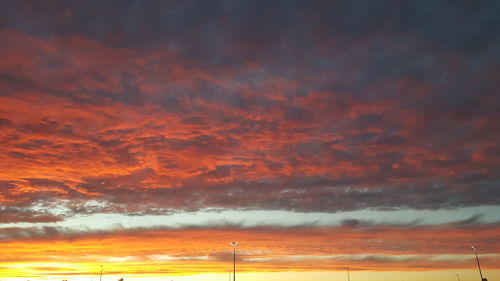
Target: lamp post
(234, 259)
(478, 265)
(458, 277)
(348, 277)
(100, 277)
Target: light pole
(100, 277)
(458, 277)
(348, 277)
(234, 259)
(478, 265)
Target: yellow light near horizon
(465, 275)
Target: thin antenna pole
(234, 259)
(234, 263)
(478, 265)
(348, 277)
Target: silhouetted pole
(478, 265)
(234, 259)
(458, 277)
(100, 277)
(348, 277)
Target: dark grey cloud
(297, 194)
(5, 122)
(449, 25)
(364, 228)
(409, 102)
(15, 215)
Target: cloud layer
(154, 128)
(166, 107)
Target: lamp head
(233, 243)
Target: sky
(140, 138)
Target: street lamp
(234, 259)
(478, 265)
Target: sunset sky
(145, 136)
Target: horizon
(145, 136)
